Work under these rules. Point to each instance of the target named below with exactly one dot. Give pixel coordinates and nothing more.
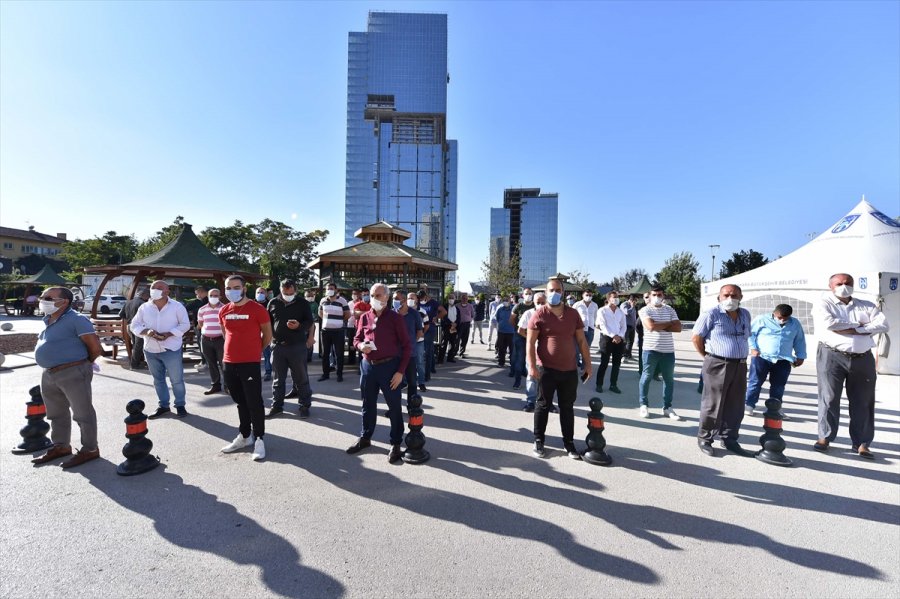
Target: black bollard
(34, 433)
(415, 439)
(772, 443)
(596, 444)
(137, 449)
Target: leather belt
(66, 365)
(727, 359)
(846, 353)
(381, 361)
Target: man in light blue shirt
(777, 343)
(720, 336)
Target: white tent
(865, 243)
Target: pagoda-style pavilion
(642, 287)
(46, 277)
(382, 257)
(185, 256)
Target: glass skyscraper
(528, 221)
(401, 168)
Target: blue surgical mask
(234, 295)
(366, 298)
(554, 297)
(397, 304)
(260, 297)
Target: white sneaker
(200, 367)
(645, 412)
(239, 443)
(748, 410)
(670, 413)
(259, 451)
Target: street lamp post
(712, 248)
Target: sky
(663, 126)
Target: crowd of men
(545, 340)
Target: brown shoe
(81, 457)
(54, 453)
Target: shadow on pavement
(188, 517)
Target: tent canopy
(642, 287)
(46, 276)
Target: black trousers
(504, 347)
(722, 403)
(564, 384)
(463, 329)
(835, 372)
(290, 357)
(449, 344)
(629, 342)
(213, 348)
(137, 350)
(607, 349)
(333, 339)
(244, 382)
(351, 350)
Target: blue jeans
(160, 364)
(429, 352)
(760, 370)
(589, 337)
(373, 379)
(267, 359)
(664, 363)
(419, 357)
(518, 357)
(531, 389)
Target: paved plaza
(482, 518)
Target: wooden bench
(113, 333)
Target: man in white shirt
(587, 309)
(659, 321)
(611, 322)
(162, 322)
(845, 326)
(492, 317)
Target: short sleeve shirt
(659, 341)
(242, 326)
(60, 342)
(556, 337)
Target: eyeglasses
(50, 299)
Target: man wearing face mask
(611, 322)
(517, 360)
(412, 301)
(432, 309)
(587, 309)
(505, 332)
(466, 316)
(382, 338)
(129, 311)
(162, 322)
(293, 336)
(415, 329)
(334, 314)
(570, 300)
(492, 317)
(845, 326)
(359, 303)
(449, 335)
(658, 322)
(478, 322)
(724, 331)
(248, 329)
(201, 298)
(777, 343)
(554, 332)
(314, 315)
(262, 298)
(66, 350)
(629, 309)
(212, 343)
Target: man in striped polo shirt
(333, 314)
(212, 343)
(659, 321)
(722, 336)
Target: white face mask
(213, 300)
(781, 321)
(843, 290)
(48, 307)
(656, 300)
(330, 293)
(411, 303)
(614, 301)
(730, 305)
(377, 304)
(587, 298)
(528, 297)
(288, 298)
(156, 294)
(451, 301)
(310, 298)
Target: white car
(108, 303)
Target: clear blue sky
(663, 126)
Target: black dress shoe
(360, 444)
(180, 412)
(274, 412)
(614, 389)
(159, 412)
(423, 388)
(304, 412)
(213, 389)
(735, 447)
(324, 377)
(340, 378)
(395, 454)
(706, 447)
(294, 394)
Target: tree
(501, 272)
(581, 279)
(162, 237)
(681, 280)
(284, 253)
(742, 261)
(627, 279)
(112, 248)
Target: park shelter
(185, 256)
(382, 257)
(865, 243)
(643, 286)
(571, 288)
(46, 277)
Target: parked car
(108, 303)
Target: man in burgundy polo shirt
(382, 339)
(551, 359)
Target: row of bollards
(138, 458)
